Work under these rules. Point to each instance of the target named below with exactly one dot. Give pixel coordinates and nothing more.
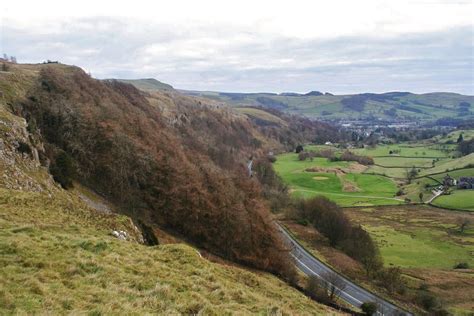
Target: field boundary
(450, 208)
(400, 167)
(436, 173)
(414, 157)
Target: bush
(62, 170)
(363, 160)
(328, 218)
(24, 148)
(461, 265)
(428, 301)
(369, 308)
(302, 221)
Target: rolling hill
(391, 106)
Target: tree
(333, 284)
(63, 170)
(391, 279)
(460, 138)
(369, 308)
(466, 147)
(463, 223)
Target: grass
(420, 237)
(404, 162)
(418, 248)
(458, 199)
(263, 115)
(57, 257)
(368, 189)
(405, 150)
(450, 164)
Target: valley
(403, 201)
(152, 211)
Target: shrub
(328, 218)
(369, 308)
(363, 160)
(62, 170)
(24, 148)
(302, 221)
(461, 265)
(428, 301)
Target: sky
(332, 46)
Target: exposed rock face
(16, 167)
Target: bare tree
(333, 284)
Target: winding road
(351, 293)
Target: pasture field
(339, 181)
(377, 184)
(406, 150)
(450, 164)
(458, 199)
(404, 162)
(417, 236)
(398, 173)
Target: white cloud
(253, 45)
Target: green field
(366, 189)
(377, 184)
(403, 162)
(405, 150)
(417, 248)
(458, 199)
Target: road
(351, 293)
(436, 193)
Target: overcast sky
(249, 46)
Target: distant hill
(148, 85)
(391, 106)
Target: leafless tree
(333, 284)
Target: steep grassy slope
(387, 106)
(57, 256)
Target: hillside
(149, 84)
(391, 106)
(57, 252)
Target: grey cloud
(228, 58)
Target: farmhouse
(448, 181)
